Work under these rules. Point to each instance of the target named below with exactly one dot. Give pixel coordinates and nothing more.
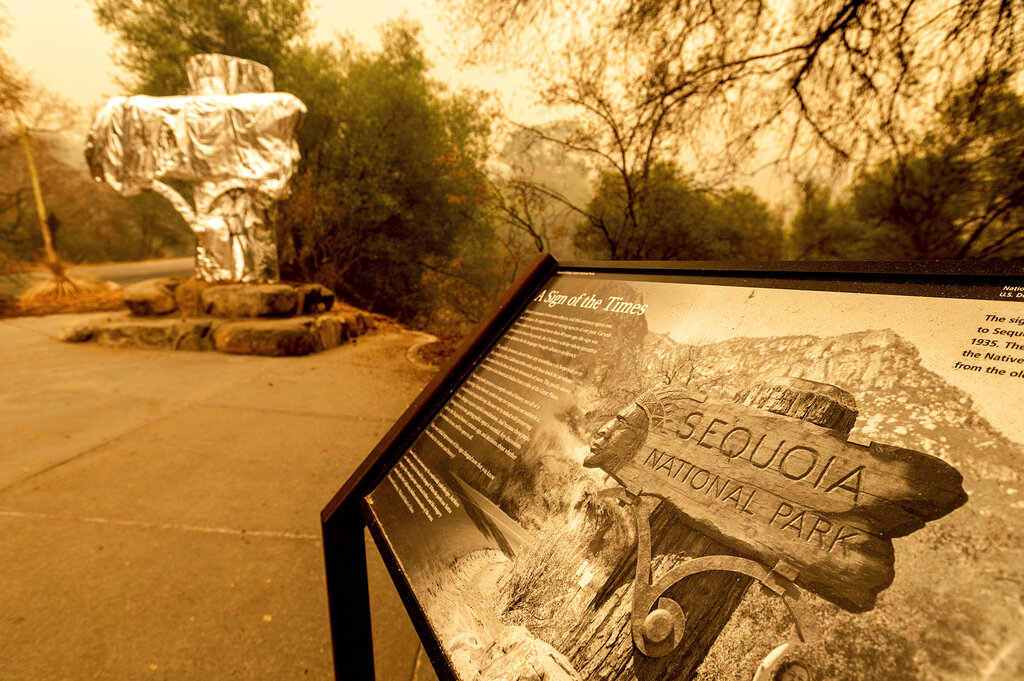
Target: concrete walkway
(159, 511)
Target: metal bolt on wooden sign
(773, 477)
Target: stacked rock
(248, 319)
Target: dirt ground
(438, 352)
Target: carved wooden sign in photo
(776, 487)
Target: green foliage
(157, 37)
(666, 218)
(387, 201)
(960, 195)
(978, 152)
(915, 205)
(98, 225)
(391, 196)
(826, 229)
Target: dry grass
(62, 285)
(102, 300)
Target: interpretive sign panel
(592, 488)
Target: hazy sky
(60, 45)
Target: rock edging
(275, 320)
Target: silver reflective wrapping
(237, 150)
(247, 140)
(234, 234)
(218, 74)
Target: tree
(644, 94)
(959, 195)
(94, 223)
(623, 132)
(979, 143)
(389, 190)
(10, 96)
(14, 96)
(828, 229)
(533, 186)
(86, 221)
(669, 219)
(911, 204)
(852, 74)
(156, 37)
(392, 191)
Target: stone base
(192, 297)
(249, 319)
(273, 337)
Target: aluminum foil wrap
(237, 150)
(218, 74)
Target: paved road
(128, 272)
(122, 273)
(159, 511)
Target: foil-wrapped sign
(777, 488)
(232, 139)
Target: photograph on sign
(650, 477)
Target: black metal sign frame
(347, 514)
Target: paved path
(159, 511)
(121, 273)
